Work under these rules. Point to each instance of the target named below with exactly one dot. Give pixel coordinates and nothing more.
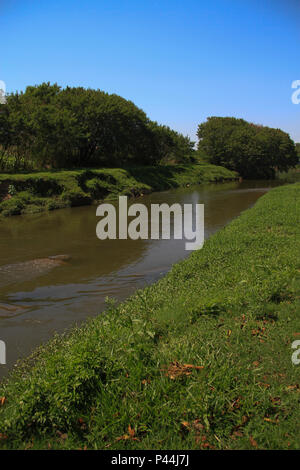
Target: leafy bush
(252, 150)
(72, 127)
(11, 206)
(54, 204)
(11, 190)
(75, 198)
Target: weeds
(57, 189)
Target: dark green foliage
(47, 126)
(75, 198)
(252, 150)
(290, 176)
(51, 190)
(12, 206)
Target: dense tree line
(76, 127)
(254, 151)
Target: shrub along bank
(36, 192)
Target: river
(36, 303)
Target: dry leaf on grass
(175, 370)
(293, 387)
(198, 429)
(275, 400)
(146, 381)
(235, 404)
(274, 421)
(253, 442)
(236, 434)
(185, 424)
(130, 435)
(260, 333)
(202, 440)
(265, 385)
(194, 425)
(62, 436)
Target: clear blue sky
(179, 60)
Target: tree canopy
(72, 127)
(254, 151)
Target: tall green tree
(83, 127)
(254, 151)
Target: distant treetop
(255, 151)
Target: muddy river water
(40, 296)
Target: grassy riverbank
(199, 360)
(291, 176)
(36, 192)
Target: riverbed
(38, 303)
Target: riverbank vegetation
(50, 127)
(290, 176)
(254, 151)
(199, 360)
(40, 191)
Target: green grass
(290, 176)
(232, 307)
(40, 191)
